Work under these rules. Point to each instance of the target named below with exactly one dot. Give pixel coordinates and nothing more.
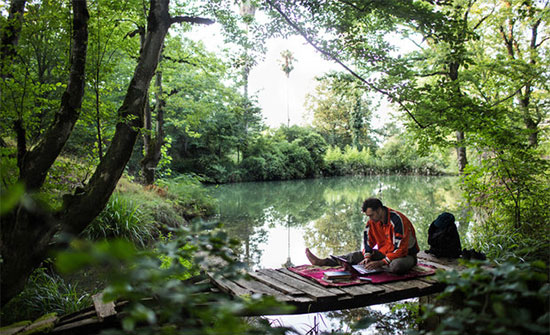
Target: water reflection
(325, 214)
(276, 220)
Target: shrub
(255, 168)
(297, 162)
(189, 196)
(334, 161)
(510, 298)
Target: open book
(356, 269)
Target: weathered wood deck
(286, 286)
(307, 296)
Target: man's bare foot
(314, 259)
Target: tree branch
(37, 162)
(337, 60)
(81, 208)
(542, 41)
(191, 19)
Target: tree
(341, 110)
(524, 34)
(27, 232)
(287, 66)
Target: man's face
(374, 215)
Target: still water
(276, 221)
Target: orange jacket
(395, 239)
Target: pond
(276, 221)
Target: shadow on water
(275, 221)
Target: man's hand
(370, 265)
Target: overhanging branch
(341, 63)
(191, 19)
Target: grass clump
(45, 292)
(122, 218)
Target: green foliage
(45, 292)
(510, 298)
(342, 110)
(177, 305)
(121, 218)
(189, 196)
(501, 242)
(511, 188)
(398, 155)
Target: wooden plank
(261, 288)
(399, 289)
(103, 309)
(228, 286)
(428, 279)
(308, 288)
(77, 324)
(314, 291)
(14, 329)
(275, 283)
(294, 275)
(77, 317)
(363, 289)
(42, 325)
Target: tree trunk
(82, 208)
(35, 164)
(461, 152)
(27, 232)
(151, 145)
(460, 149)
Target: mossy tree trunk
(27, 233)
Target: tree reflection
(329, 210)
(401, 318)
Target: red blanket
(316, 273)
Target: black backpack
(443, 237)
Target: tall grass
(45, 292)
(122, 218)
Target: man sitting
(389, 241)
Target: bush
(510, 298)
(187, 194)
(255, 168)
(297, 159)
(334, 162)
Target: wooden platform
(308, 296)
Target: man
(389, 240)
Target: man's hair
(372, 203)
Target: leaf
(68, 262)
(10, 198)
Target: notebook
(356, 269)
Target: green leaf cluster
(509, 298)
(160, 286)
